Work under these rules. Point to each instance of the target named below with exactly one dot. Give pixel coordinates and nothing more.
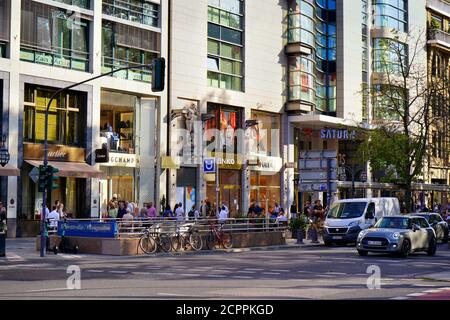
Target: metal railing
(144, 13)
(128, 228)
(439, 35)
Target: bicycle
(187, 236)
(153, 239)
(217, 235)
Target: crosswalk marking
(417, 294)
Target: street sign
(317, 187)
(318, 175)
(363, 176)
(318, 154)
(34, 174)
(209, 165)
(317, 163)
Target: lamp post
(4, 154)
(158, 65)
(205, 117)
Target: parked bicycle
(153, 239)
(216, 235)
(186, 236)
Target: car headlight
(362, 234)
(325, 224)
(396, 235)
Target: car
(437, 223)
(398, 234)
(347, 217)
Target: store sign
(340, 134)
(35, 151)
(227, 160)
(101, 155)
(122, 160)
(88, 229)
(270, 164)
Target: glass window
(389, 56)
(225, 27)
(391, 14)
(65, 125)
(140, 11)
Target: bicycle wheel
(177, 242)
(147, 244)
(196, 242)
(227, 240)
(210, 240)
(165, 242)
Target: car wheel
(431, 251)
(406, 247)
(363, 253)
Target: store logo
(57, 154)
(228, 161)
(340, 134)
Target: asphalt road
(294, 273)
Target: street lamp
(157, 65)
(4, 154)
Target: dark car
(437, 223)
(398, 234)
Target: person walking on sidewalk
(179, 212)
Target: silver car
(398, 234)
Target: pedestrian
(276, 210)
(307, 209)
(122, 210)
(167, 213)
(193, 214)
(179, 212)
(223, 215)
(3, 218)
(151, 210)
(62, 213)
(113, 207)
(53, 218)
(293, 210)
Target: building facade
(53, 44)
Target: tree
(408, 103)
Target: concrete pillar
(287, 176)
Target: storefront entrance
(229, 191)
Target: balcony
(144, 12)
(440, 6)
(439, 38)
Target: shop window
(264, 138)
(65, 125)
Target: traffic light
(42, 182)
(51, 178)
(158, 74)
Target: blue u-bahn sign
(209, 165)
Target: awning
(71, 169)
(9, 170)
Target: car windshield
(347, 210)
(393, 223)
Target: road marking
(324, 276)
(281, 270)
(400, 298)
(241, 277)
(215, 276)
(253, 269)
(433, 291)
(165, 273)
(271, 273)
(167, 294)
(14, 257)
(118, 272)
(190, 275)
(418, 294)
(48, 290)
(95, 271)
(243, 271)
(226, 268)
(141, 273)
(70, 256)
(302, 271)
(324, 261)
(337, 273)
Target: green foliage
(388, 150)
(300, 222)
(434, 25)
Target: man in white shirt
(180, 212)
(223, 214)
(53, 218)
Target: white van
(346, 218)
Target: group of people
(57, 213)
